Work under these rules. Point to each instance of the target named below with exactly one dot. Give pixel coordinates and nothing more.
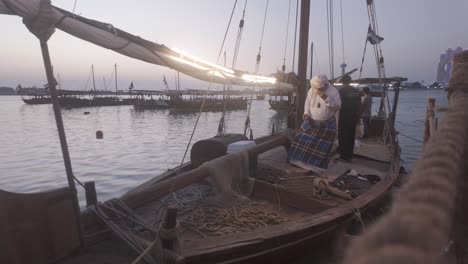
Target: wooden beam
(172, 184)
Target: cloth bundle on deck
(311, 149)
(229, 175)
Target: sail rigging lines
(227, 31)
(222, 123)
(331, 52)
(342, 36)
(373, 27)
(286, 38)
(240, 30)
(259, 56)
(295, 37)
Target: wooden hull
(210, 105)
(320, 224)
(279, 105)
(77, 102)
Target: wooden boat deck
(287, 194)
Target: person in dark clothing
(349, 116)
(366, 109)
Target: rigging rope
(206, 92)
(87, 81)
(247, 127)
(74, 6)
(286, 38)
(221, 125)
(342, 30)
(295, 37)
(316, 59)
(331, 53)
(363, 57)
(259, 56)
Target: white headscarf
(318, 81)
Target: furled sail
(107, 36)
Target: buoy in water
(99, 134)
(86, 113)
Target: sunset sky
(416, 32)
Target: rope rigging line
(286, 38)
(221, 125)
(331, 53)
(87, 81)
(247, 127)
(74, 6)
(412, 138)
(206, 93)
(259, 56)
(239, 36)
(342, 31)
(227, 30)
(295, 37)
(316, 59)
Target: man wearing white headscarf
(311, 148)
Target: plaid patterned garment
(314, 144)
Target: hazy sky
(416, 32)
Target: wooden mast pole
(43, 30)
(115, 65)
(61, 132)
(311, 58)
(302, 67)
(94, 82)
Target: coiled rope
(432, 205)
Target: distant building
(444, 68)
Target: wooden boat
(288, 209)
(189, 100)
(281, 99)
(194, 213)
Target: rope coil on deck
(420, 224)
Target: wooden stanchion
(429, 124)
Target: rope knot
(42, 24)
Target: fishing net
(229, 177)
(223, 207)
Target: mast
(59, 81)
(115, 66)
(105, 84)
(302, 61)
(94, 82)
(311, 58)
(178, 80)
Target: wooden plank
(267, 238)
(37, 228)
(278, 195)
(373, 150)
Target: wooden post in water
(429, 123)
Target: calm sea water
(137, 145)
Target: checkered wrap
(314, 144)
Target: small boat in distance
(190, 100)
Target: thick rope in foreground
(417, 229)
